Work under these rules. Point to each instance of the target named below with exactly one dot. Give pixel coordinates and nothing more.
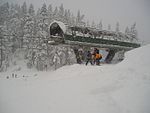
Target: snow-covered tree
(4, 13)
(127, 31)
(79, 19)
(50, 13)
(87, 24)
(31, 10)
(93, 25)
(12, 10)
(100, 26)
(61, 13)
(109, 27)
(24, 9)
(42, 19)
(117, 27)
(134, 31)
(44, 10)
(73, 20)
(55, 13)
(18, 11)
(67, 17)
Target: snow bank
(121, 88)
(137, 59)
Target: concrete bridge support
(110, 56)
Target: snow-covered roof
(61, 25)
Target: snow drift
(120, 88)
(137, 59)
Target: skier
(98, 57)
(89, 58)
(94, 55)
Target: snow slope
(120, 88)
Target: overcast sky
(126, 12)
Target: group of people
(93, 57)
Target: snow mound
(120, 88)
(137, 58)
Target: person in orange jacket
(98, 57)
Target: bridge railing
(100, 41)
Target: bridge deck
(69, 39)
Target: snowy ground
(120, 88)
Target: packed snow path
(121, 88)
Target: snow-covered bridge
(91, 37)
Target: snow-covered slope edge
(137, 58)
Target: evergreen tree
(55, 13)
(134, 32)
(44, 10)
(12, 10)
(87, 24)
(24, 9)
(50, 13)
(79, 19)
(127, 31)
(43, 18)
(73, 20)
(61, 13)
(117, 27)
(67, 16)
(109, 27)
(15, 20)
(93, 25)
(100, 26)
(18, 11)
(38, 13)
(4, 13)
(50, 9)
(31, 10)
(133, 29)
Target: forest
(24, 30)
